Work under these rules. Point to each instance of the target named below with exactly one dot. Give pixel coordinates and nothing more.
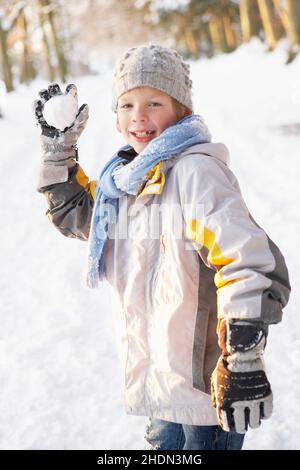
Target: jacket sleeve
(71, 203)
(251, 277)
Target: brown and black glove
(240, 389)
(59, 148)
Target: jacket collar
(156, 176)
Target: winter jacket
(188, 254)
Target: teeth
(142, 134)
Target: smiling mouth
(144, 136)
(143, 133)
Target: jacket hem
(196, 416)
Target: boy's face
(143, 114)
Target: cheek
(168, 119)
(121, 124)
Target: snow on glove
(240, 390)
(59, 147)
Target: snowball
(60, 111)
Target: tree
(223, 15)
(293, 13)
(45, 45)
(27, 72)
(4, 56)
(289, 12)
(198, 26)
(48, 13)
(229, 31)
(270, 25)
(250, 19)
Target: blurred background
(60, 377)
(56, 38)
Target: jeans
(164, 435)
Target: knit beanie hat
(154, 66)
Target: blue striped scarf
(119, 178)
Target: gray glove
(59, 148)
(240, 389)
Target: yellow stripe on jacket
(89, 186)
(156, 181)
(207, 238)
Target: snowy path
(59, 367)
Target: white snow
(61, 110)
(59, 367)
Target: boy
(169, 229)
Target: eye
(155, 103)
(125, 105)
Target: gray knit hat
(154, 66)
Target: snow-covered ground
(60, 375)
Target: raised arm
(69, 193)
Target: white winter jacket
(192, 254)
(184, 253)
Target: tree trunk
(249, 15)
(48, 13)
(222, 34)
(290, 16)
(229, 33)
(217, 34)
(267, 16)
(27, 70)
(5, 60)
(206, 45)
(46, 47)
(62, 63)
(283, 15)
(214, 36)
(293, 13)
(191, 43)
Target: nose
(139, 114)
